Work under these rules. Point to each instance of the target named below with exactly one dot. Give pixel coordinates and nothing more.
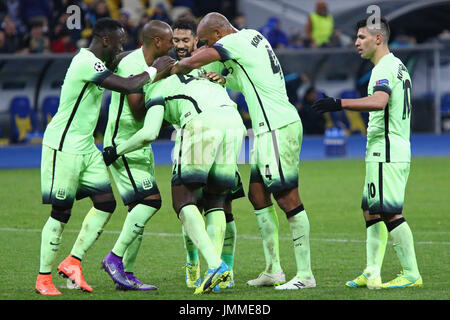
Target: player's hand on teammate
(327, 104)
(215, 77)
(110, 155)
(163, 63)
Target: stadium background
(36, 49)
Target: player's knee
(154, 203)
(106, 206)
(295, 211)
(62, 214)
(211, 200)
(229, 217)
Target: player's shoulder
(86, 61)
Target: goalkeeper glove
(110, 155)
(327, 104)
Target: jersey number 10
(406, 99)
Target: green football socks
(194, 225)
(129, 258)
(376, 240)
(299, 225)
(50, 241)
(133, 227)
(215, 227)
(268, 226)
(229, 244)
(191, 249)
(403, 243)
(91, 229)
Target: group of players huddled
(169, 81)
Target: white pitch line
(242, 236)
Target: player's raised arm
(131, 84)
(197, 60)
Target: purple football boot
(113, 265)
(137, 284)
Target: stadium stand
(335, 70)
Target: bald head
(213, 27)
(155, 29)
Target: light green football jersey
(255, 71)
(388, 130)
(72, 128)
(121, 123)
(185, 96)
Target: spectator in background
(132, 36)
(313, 122)
(35, 10)
(3, 48)
(273, 33)
(13, 11)
(36, 41)
(239, 22)
(402, 41)
(160, 13)
(13, 39)
(296, 40)
(96, 11)
(63, 42)
(320, 26)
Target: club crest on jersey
(99, 67)
(61, 194)
(147, 184)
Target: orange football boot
(45, 286)
(70, 268)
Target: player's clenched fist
(110, 155)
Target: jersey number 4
(274, 62)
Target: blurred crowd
(40, 26)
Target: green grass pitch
(331, 192)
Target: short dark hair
(104, 26)
(384, 27)
(185, 24)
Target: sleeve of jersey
(382, 82)
(224, 53)
(96, 72)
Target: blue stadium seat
(445, 104)
(49, 108)
(21, 118)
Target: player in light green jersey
(255, 71)
(134, 173)
(185, 41)
(72, 167)
(205, 154)
(388, 157)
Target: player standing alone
(388, 157)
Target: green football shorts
(66, 177)
(384, 187)
(275, 157)
(134, 175)
(207, 148)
